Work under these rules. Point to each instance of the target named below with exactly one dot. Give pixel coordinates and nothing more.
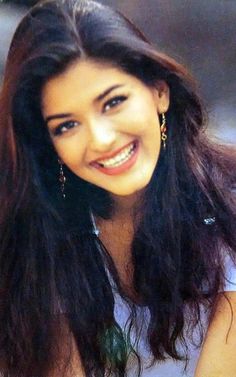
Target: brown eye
(64, 127)
(113, 102)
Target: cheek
(143, 116)
(69, 152)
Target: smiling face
(104, 124)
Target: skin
(101, 127)
(93, 128)
(217, 358)
(97, 127)
(67, 358)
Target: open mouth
(120, 158)
(118, 162)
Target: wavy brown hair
(49, 262)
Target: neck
(125, 207)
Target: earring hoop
(62, 179)
(163, 130)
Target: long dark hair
(50, 266)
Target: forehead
(85, 79)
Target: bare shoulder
(218, 357)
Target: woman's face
(104, 124)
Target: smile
(120, 158)
(120, 161)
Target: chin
(130, 192)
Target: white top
(168, 368)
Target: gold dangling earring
(163, 130)
(62, 179)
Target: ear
(162, 96)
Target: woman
(117, 213)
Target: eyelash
(70, 124)
(113, 102)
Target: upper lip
(107, 156)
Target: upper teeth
(120, 158)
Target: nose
(102, 135)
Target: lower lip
(123, 167)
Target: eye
(64, 127)
(113, 102)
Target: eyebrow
(97, 99)
(107, 91)
(57, 116)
